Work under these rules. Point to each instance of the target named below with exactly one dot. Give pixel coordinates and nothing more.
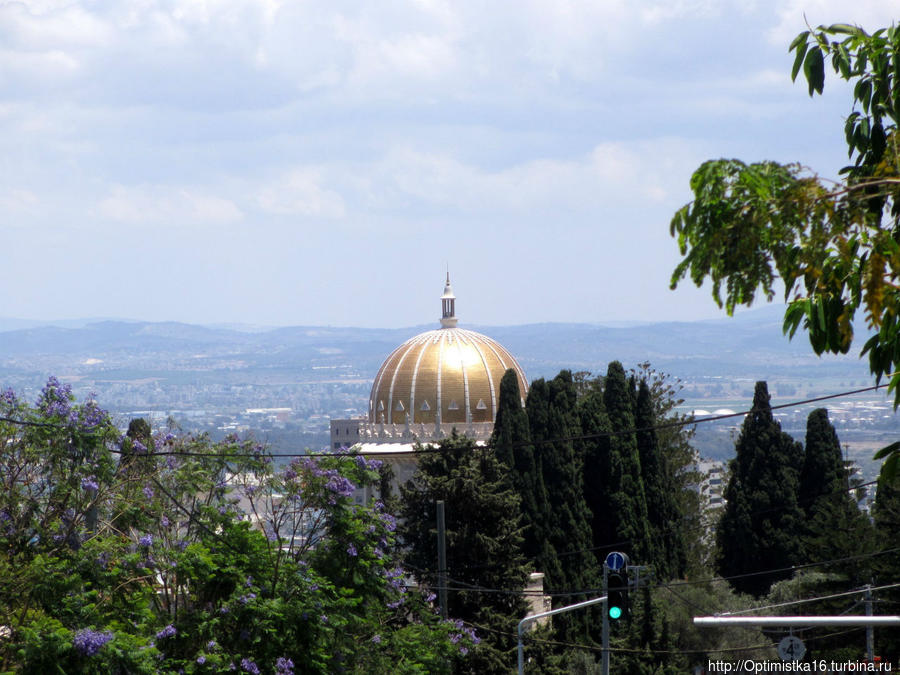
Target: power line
(807, 600)
(622, 650)
(466, 586)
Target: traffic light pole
(604, 639)
(541, 615)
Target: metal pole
(541, 615)
(604, 639)
(442, 559)
(797, 620)
(870, 630)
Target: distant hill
(749, 345)
(207, 377)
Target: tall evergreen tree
(543, 547)
(568, 532)
(483, 542)
(835, 526)
(511, 441)
(669, 558)
(823, 471)
(886, 514)
(596, 450)
(628, 504)
(674, 436)
(761, 524)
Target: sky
(273, 162)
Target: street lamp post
(535, 617)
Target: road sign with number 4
(791, 648)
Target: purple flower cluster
(284, 666)
(146, 540)
(249, 666)
(166, 632)
(368, 464)
(395, 579)
(55, 398)
(90, 484)
(148, 492)
(89, 642)
(91, 415)
(390, 523)
(340, 486)
(8, 398)
(463, 631)
(351, 550)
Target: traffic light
(617, 592)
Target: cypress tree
(628, 504)
(542, 547)
(483, 539)
(823, 469)
(836, 528)
(761, 525)
(660, 490)
(596, 450)
(568, 527)
(511, 441)
(886, 515)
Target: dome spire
(448, 305)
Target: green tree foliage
(595, 449)
(200, 557)
(674, 434)
(761, 524)
(666, 528)
(835, 526)
(675, 606)
(835, 247)
(483, 540)
(511, 441)
(886, 514)
(554, 424)
(628, 504)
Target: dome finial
(448, 305)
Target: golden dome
(445, 376)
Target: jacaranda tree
(148, 553)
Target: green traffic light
(615, 612)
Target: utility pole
(604, 640)
(442, 559)
(870, 630)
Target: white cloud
(792, 16)
(300, 193)
(611, 173)
(18, 201)
(53, 26)
(164, 206)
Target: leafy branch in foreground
(835, 247)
